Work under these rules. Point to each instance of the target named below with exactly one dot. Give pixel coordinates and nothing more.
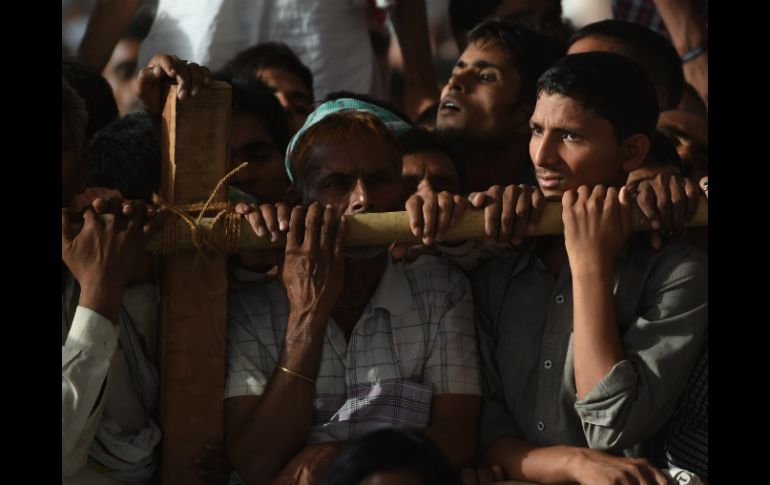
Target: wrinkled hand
(189, 76)
(593, 467)
(597, 223)
(667, 201)
(509, 212)
(313, 269)
(104, 255)
(212, 464)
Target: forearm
(596, 342)
(104, 299)
(109, 20)
(682, 22)
(688, 32)
(410, 21)
(521, 460)
(283, 415)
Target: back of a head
(420, 140)
(609, 85)
(126, 156)
(390, 450)
(653, 52)
(95, 91)
(275, 55)
(253, 97)
(465, 15)
(531, 51)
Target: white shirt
(330, 37)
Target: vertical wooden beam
(195, 139)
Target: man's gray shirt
(524, 316)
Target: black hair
(649, 49)
(126, 156)
(531, 52)
(610, 85)
(95, 91)
(389, 450)
(267, 55)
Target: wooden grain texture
(195, 138)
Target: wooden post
(195, 140)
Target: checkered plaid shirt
(643, 12)
(684, 442)
(415, 338)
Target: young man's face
(358, 176)
(429, 171)
(479, 101)
(265, 177)
(571, 147)
(292, 93)
(120, 72)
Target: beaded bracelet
(690, 55)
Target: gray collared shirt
(524, 317)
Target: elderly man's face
(358, 176)
(571, 146)
(479, 101)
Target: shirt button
(540, 426)
(548, 364)
(560, 299)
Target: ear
(634, 150)
(521, 115)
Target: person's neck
(361, 279)
(552, 252)
(493, 163)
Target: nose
(544, 151)
(457, 82)
(360, 200)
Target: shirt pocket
(398, 402)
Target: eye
(536, 130)
(570, 136)
(487, 77)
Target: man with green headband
(345, 341)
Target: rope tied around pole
(225, 231)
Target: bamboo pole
(383, 228)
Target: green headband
(395, 124)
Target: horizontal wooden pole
(383, 228)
